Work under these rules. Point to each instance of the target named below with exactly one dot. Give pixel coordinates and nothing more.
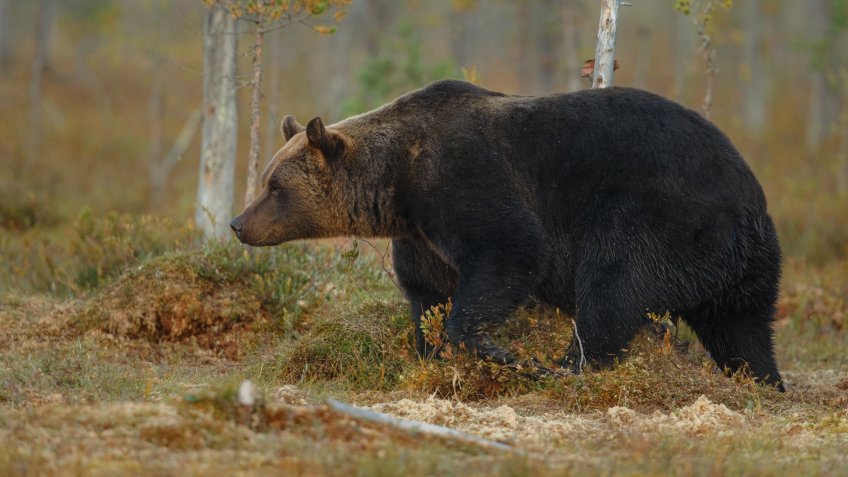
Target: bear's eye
(273, 190)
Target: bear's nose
(237, 226)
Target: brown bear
(605, 203)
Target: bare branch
(579, 344)
(417, 427)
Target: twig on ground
(579, 344)
(417, 427)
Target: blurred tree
(702, 13)
(684, 47)
(220, 123)
(158, 174)
(842, 161)
(267, 16)
(525, 53)
(89, 23)
(44, 19)
(547, 37)
(828, 22)
(463, 28)
(4, 35)
(754, 76)
(644, 45)
(571, 45)
(384, 76)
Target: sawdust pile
(546, 431)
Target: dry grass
(138, 376)
(122, 339)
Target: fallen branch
(416, 427)
(580, 344)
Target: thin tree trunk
(220, 124)
(4, 36)
(524, 58)
(44, 17)
(462, 29)
(756, 91)
(842, 160)
(161, 169)
(547, 41)
(256, 115)
(816, 121)
(602, 77)
(571, 46)
(683, 50)
(272, 125)
(645, 45)
(155, 109)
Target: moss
(365, 348)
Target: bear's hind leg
(739, 341)
(606, 322)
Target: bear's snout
(237, 225)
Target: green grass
(135, 373)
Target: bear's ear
(289, 127)
(330, 143)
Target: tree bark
(220, 124)
(256, 115)
(602, 77)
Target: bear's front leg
(491, 286)
(427, 281)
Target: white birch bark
(602, 77)
(220, 123)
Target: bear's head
(298, 199)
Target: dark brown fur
(604, 203)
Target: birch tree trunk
(220, 123)
(602, 77)
(256, 115)
(272, 67)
